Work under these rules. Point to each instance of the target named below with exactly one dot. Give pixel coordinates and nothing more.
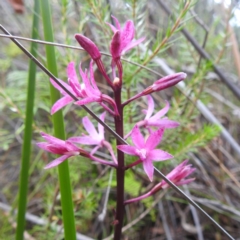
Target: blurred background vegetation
(214, 27)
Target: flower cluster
(144, 148)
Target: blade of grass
(26, 148)
(58, 123)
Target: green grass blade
(63, 169)
(26, 148)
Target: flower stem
(58, 123)
(26, 148)
(120, 169)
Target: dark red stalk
(120, 169)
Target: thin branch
(76, 48)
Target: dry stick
(113, 132)
(233, 87)
(222, 166)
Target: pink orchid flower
(156, 120)
(178, 176)
(88, 91)
(65, 148)
(58, 146)
(146, 150)
(94, 137)
(122, 40)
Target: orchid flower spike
(94, 137)
(146, 150)
(122, 40)
(58, 146)
(156, 120)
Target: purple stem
(120, 169)
(133, 98)
(133, 164)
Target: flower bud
(168, 81)
(89, 46)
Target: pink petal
(162, 112)
(132, 45)
(115, 47)
(62, 102)
(56, 162)
(131, 150)
(59, 88)
(86, 81)
(116, 22)
(52, 139)
(176, 170)
(90, 90)
(163, 123)
(137, 137)
(109, 147)
(71, 147)
(87, 100)
(76, 88)
(114, 29)
(168, 81)
(90, 128)
(154, 139)
(57, 149)
(43, 145)
(159, 155)
(95, 149)
(127, 34)
(148, 168)
(73, 79)
(185, 181)
(100, 127)
(150, 107)
(87, 140)
(89, 46)
(92, 76)
(71, 72)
